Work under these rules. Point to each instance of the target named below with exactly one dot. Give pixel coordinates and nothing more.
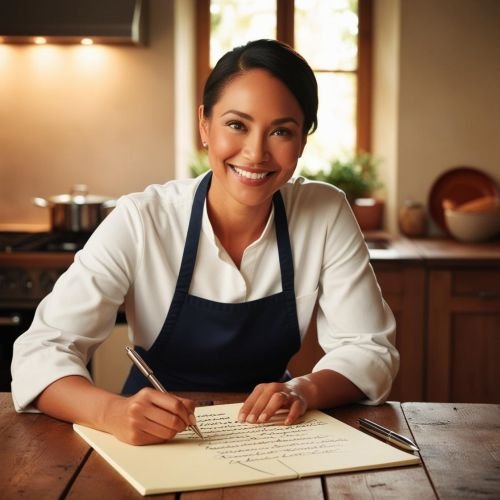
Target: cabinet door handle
(13, 320)
(488, 295)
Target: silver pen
(148, 373)
(388, 435)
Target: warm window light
(40, 40)
(86, 41)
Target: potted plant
(357, 176)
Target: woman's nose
(256, 150)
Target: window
(335, 38)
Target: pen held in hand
(148, 373)
(387, 435)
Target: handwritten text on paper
(237, 443)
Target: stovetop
(30, 264)
(42, 242)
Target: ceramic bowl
(473, 227)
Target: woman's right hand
(148, 417)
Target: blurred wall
(437, 97)
(100, 115)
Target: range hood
(71, 21)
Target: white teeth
(249, 175)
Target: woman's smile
(249, 174)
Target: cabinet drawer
(484, 283)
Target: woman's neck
(238, 226)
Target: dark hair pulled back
(277, 58)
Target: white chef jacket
(133, 258)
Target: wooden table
(43, 458)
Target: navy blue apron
(212, 346)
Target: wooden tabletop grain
(41, 457)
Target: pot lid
(79, 196)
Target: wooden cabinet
(463, 335)
(403, 287)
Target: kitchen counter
(386, 247)
(442, 249)
(382, 245)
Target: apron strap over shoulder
(190, 251)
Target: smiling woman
(231, 266)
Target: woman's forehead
(258, 90)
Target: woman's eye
(281, 132)
(235, 125)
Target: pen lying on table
(387, 435)
(148, 373)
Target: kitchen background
(121, 117)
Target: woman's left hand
(267, 399)
(321, 389)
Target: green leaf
(357, 175)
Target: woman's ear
(202, 125)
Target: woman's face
(254, 136)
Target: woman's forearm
(326, 389)
(75, 399)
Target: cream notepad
(234, 454)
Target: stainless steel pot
(77, 211)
